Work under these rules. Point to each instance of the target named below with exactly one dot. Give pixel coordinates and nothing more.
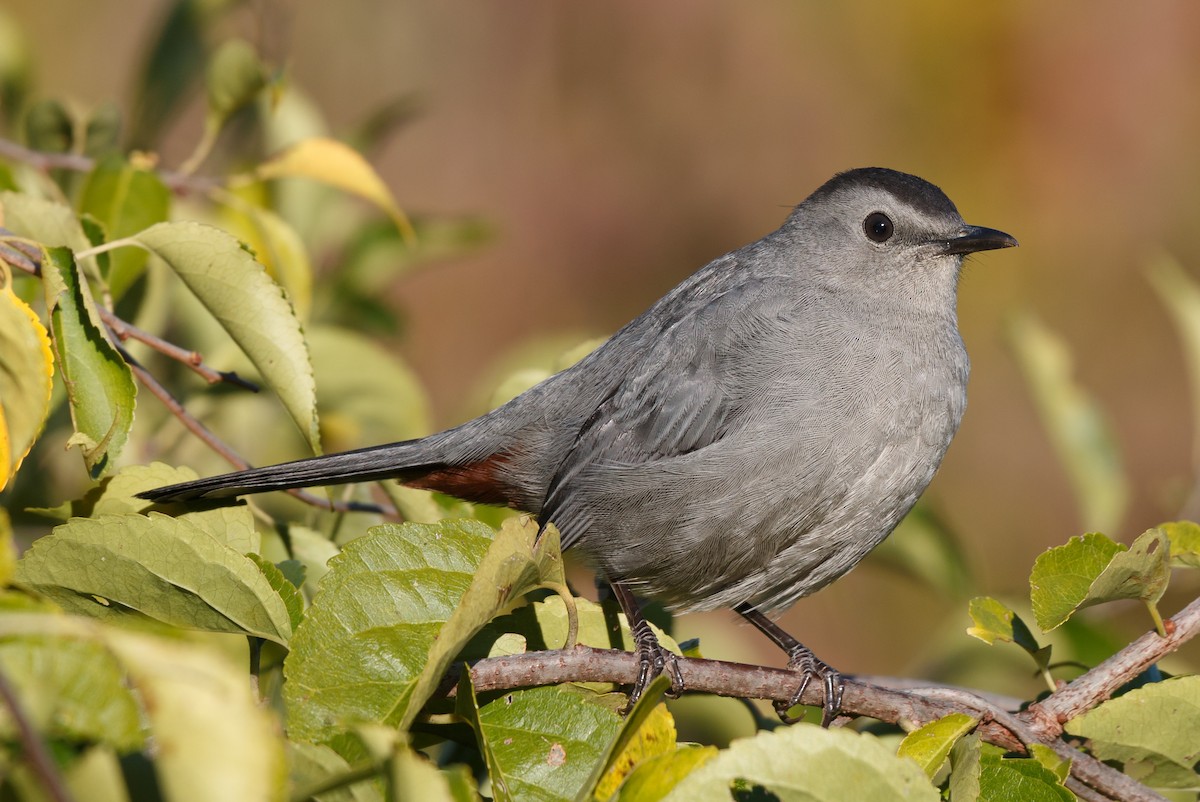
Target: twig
(1047, 717)
(15, 254)
(221, 447)
(192, 359)
(177, 182)
(40, 761)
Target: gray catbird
(745, 441)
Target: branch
(1047, 717)
(179, 183)
(192, 359)
(910, 708)
(192, 424)
(41, 763)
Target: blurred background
(610, 149)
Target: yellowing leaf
(930, 745)
(338, 165)
(1184, 537)
(26, 369)
(656, 736)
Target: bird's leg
(653, 658)
(801, 660)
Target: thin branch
(192, 359)
(20, 254)
(221, 447)
(1088, 690)
(177, 182)
(40, 760)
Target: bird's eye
(878, 227)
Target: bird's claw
(805, 663)
(653, 660)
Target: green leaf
(805, 762)
(415, 777)
(165, 568)
(361, 407)
(248, 305)
(1153, 730)
(281, 585)
(965, 759)
(1180, 294)
(126, 200)
(1092, 569)
(102, 135)
(1019, 780)
(395, 609)
(1184, 537)
(1077, 428)
(53, 225)
(213, 740)
(99, 385)
(234, 77)
(653, 778)
(994, 621)
(930, 745)
(540, 743)
(232, 525)
(174, 62)
(280, 249)
(312, 766)
(49, 127)
(1043, 754)
(26, 369)
(72, 689)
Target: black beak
(977, 238)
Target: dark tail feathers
(405, 460)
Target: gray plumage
(751, 436)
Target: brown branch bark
(1048, 716)
(905, 703)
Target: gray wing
(684, 389)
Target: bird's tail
(404, 460)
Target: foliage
(284, 650)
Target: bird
(745, 441)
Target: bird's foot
(802, 661)
(653, 659)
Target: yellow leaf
(26, 368)
(338, 165)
